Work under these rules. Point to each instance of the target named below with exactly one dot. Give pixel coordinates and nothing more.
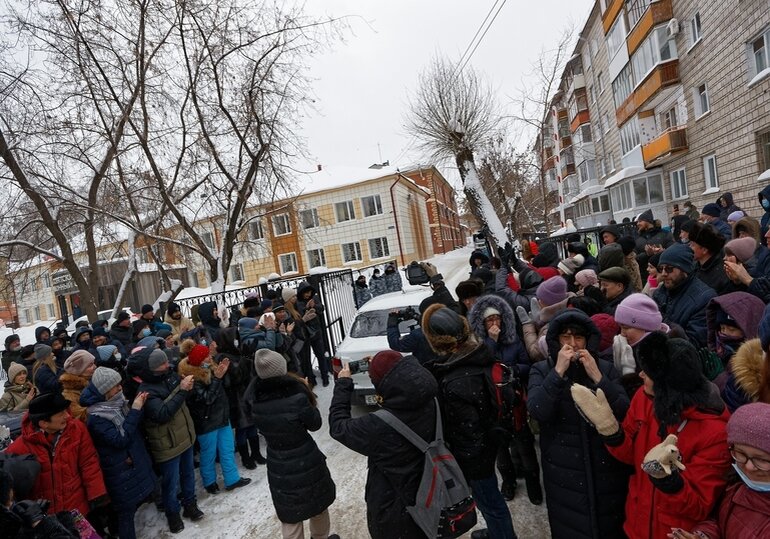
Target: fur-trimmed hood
(508, 323)
(200, 374)
(73, 381)
(749, 368)
(443, 344)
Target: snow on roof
(338, 176)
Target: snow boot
(534, 490)
(175, 524)
(213, 488)
(255, 453)
(242, 482)
(192, 512)
(246, 458)
(480, 534)
(508, 489)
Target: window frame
(284, 217)
(315, 222)
(678, 178)
(763, 150)
(256, 224)
(208, 239)
(756, 74)
(349, 208)
(236, 268)
(384, 247)
(698, 93)
(322, 258)
(695, 30)
(707, 181)
(292, 256)
(377, 199)
(357, 249)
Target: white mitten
(595, 409)
(534, 309)
(524, 318)
(623, 355)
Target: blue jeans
(492, 505)
(218, 441)
(180, 469)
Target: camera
(357, 366)
(409, 313)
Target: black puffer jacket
(395, 465)
(207, 401)
(317, 324)
(466, 409)
(300, 483)
(585, 487)
(209, 321)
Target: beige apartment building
(662, 102)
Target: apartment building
(675, 108)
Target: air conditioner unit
(672, 28)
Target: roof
(334, 177)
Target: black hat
(712, 210)
(11, 338)
(707, 237)
(174, 307)
(612, 229)
(99, 332)
(646, 215)
(471, 288)
(724, 319)
(27, 351)
(123, 315)
(46, 405)
(628, 244)
(147, 308)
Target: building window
(612, 162)
(236, 272)
(759, 57)
(207, 237)
(31, 284)
(287, 262)
(635, 10)
(763, 151)
(621, 197)
(51, 310)
(629, 135)
(316, 258)
(701, 98)
(710, 171)
(668, 119)
(372, 205)
(46, 280)
(587, 170)
(584, 133)
(623, 85)
(591, 96)
(606, 123)
(37, 313)
(648, 190)
(695, 33)
(378, 248)
(600, 203)
(28, 316)
(256, 230)
(345, 211)
(281, 224)
(616, 37)
(656, 48)
(351, 252)
(194, 279)
(600, 81)
(309, 218)
(678, 184)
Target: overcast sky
(363, 84)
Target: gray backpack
(443, 507)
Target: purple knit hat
(639, 311)
(750, 425)
(586, 277)
(552, 291)
(742, 248)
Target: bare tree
(452, 115)
(533, 107)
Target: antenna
(379, 151)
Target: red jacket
(743, 514)
(651, 513)
(69, 477)
(547, 272)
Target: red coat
(651, 513)
(72, 476)
(743, 514)
(547, 272)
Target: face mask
(766, 204)
(118, 356)
(146, 332)
(758, 486)
(204, 342)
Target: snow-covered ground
(248, 512)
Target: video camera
(409, 313)
(420, 272)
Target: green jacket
(167, 422)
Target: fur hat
(552, 291)
(105, 379)
(78, 362)
(742, 248)
(472, 288)
(712, 210)
(198, 355)
(14, 370)
(444, 328)
(287, 293)
(586, 277)
(42, 351)
(707, 237)
(381, 364)
(269, 364)
(46, 405)
(750, 425)
(680, 256)
(627, 244)
(570, 265)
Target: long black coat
(299, 479)
(585, 486)
(395, 465)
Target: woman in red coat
(70, 476)
(674, 435)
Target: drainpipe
(395, 216)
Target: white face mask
(758, 486)
(118, 356)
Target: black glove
(30, 512)
(102, 500)
(393, 320)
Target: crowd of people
(639, 367)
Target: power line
(461, 67)
(473, 39)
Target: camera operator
(413, 342)
(440, 295)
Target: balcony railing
(656, 13)
(582, 117)
(635, 9)
(567, 169)
(565, 142)
(610, 14)
(662, 76)
(668, 143)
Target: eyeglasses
(740, 457)
(666, 269)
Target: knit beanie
(472, 288)
(639, 311)
(489, 311)
(381, 364)
(552, 291)
(105, 352)
(610, 256)
(288, 293)
(586, 277)
(147, 308)
(646, 216)
(157, 358)
(197, 355)
(680, 256)
(750, 425)
(570, 265)
(742, 248)
(736, 216)
(712, 210)
(173, 308)
(42, 351)
(105, 379)
(15, 369)
(247, 323)
(269, 364)
(608, 328)
(78, 362)
(27, 351)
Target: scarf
(114, 410)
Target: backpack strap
(400, 427)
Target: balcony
(581, 118)
(666, 145)
(549, 163)
(611, 14)
(656, 13)
(578, 81)
(565, 142)
(662, 76)
(567, 169)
